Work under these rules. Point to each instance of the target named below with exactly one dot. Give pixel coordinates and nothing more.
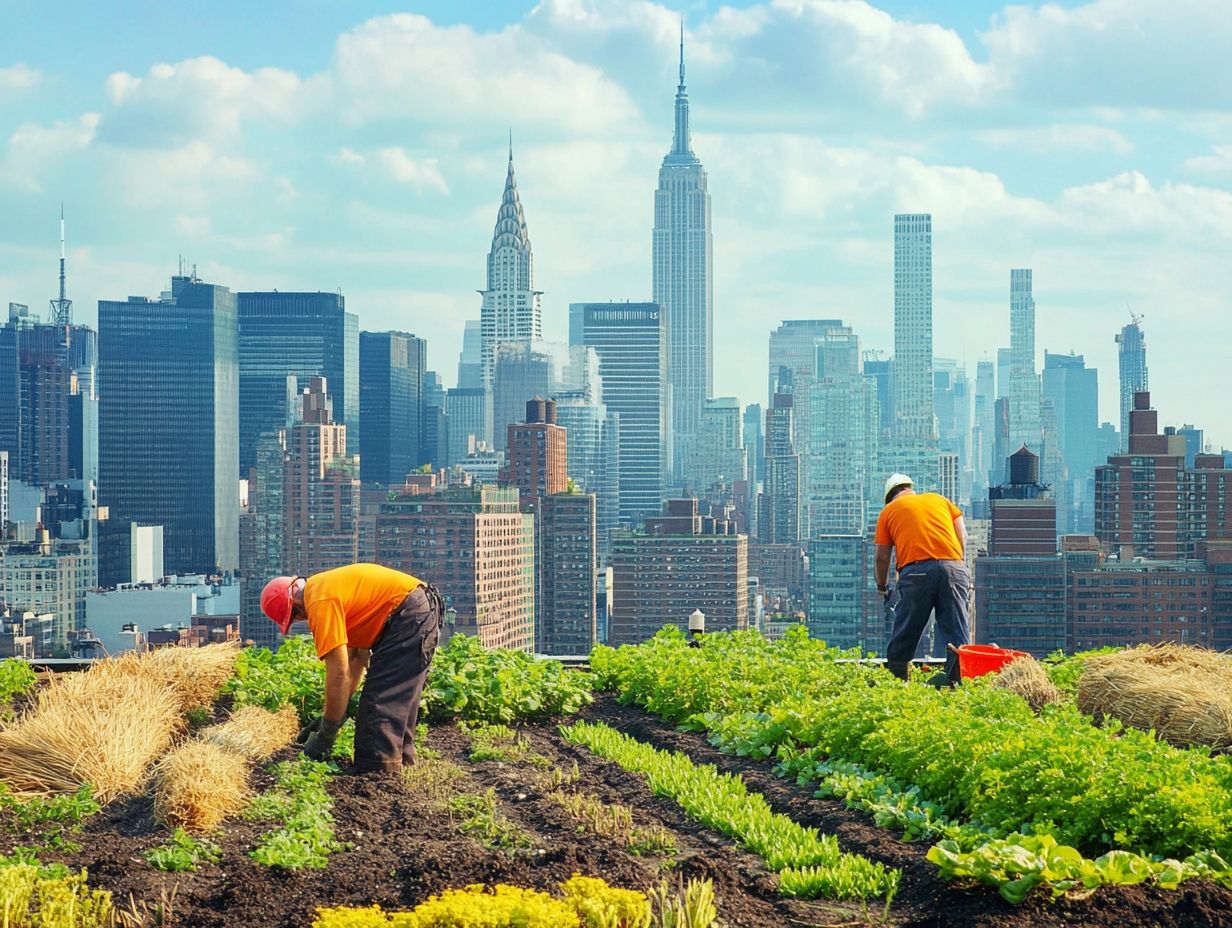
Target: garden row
(1016, 798)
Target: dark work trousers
(925, 587)
(389, 704)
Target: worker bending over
(928, 537)
(365, 617)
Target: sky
(361, 146)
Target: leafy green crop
(301, 803)
(722, 802)
(16, 678)
(183, 853)
(468, 681)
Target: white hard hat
(894, 482)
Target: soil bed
(405, 847)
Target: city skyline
(158, 150)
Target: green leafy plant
(301, 803)
(16, 678)
(482, 819)
(723, 802)
(183, 853)
(502, 743)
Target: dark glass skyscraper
(304, 334)
(391, 404)
(168, 381)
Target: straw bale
(104, 730)
(1025, 677)
(198, 785)
(1183, 693)
(195, 675)
(253, 732)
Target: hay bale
(1025, 677)
(104, 730)
(198, 785)
(195, 675)
(253, 732)
(1183, 693)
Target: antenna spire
(682, 51)
(511, 143)
(62, 308)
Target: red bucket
(975, 660)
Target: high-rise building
(754, 444)
(470, 361)
(4, 488)
(778, 515)
(48, 577)
(304, 335)
(168, 422)
(718, 453)
(320, 488)
(391, 402)
(1131, 352)
(434, 426)
(477, 547)
(1024, 386)
(629, 339)
(683, 280)
(512, 307)
(838, 578)
(794, 348)
(952, 400)
(1148, 504)
(913, 327)
(566, 616)
(1193, 442)
(1073, 390)
(1024, 514)
(682, 562)
(262, 537)
(538, 452)
(469, 414)
(1004, 367)
(593, 441)
(982, 432)
(524, 369)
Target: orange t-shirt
(349, 605)
(920, 526)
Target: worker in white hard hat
(924, 533)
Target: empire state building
(683, 282)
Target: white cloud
(1219, 161)
(1137, 53)
(346, 155)
(421, 173)
(404, 66)
(198, 99)
(17, 78)
(35, 151)
(1058, 137)
(195, 176)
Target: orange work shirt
(920, 526)
(349, 605)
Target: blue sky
(325, 145)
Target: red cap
(277, 600)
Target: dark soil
(406, 847)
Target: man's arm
(960, 529)
(358, 663)
(338, 684)
(883, 565)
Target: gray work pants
(925, 587)
(389, 704)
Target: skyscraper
(511, 304)
(538, 452)
(718, 452)
(521, 370)
(683, 279)
(1024, 388)
(982, 432)
(470, 361)
(778, 516)
(468, 411)
(303, 335)
(391, 400)
(913, 327)
(629, 339)
(168, 424)
(1134, 379)
(1073, 390)
(320, 488)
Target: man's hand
(308, 730)
(320, 744)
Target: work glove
(310, 729)
(320, 744)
